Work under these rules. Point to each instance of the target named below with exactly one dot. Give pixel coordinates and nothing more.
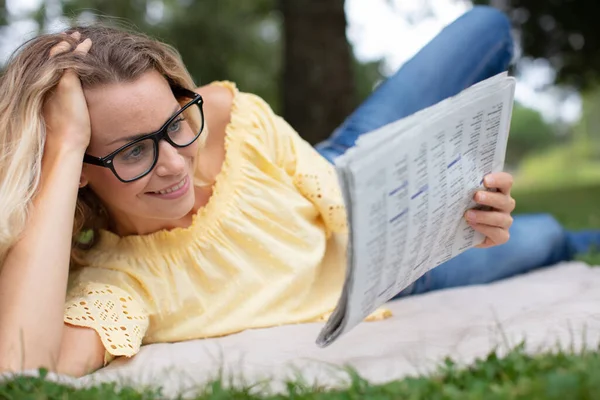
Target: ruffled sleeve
(312, 174)
(316, 179)
(120, 320)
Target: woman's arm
(33, 278)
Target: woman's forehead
(130, 108)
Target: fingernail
(471, 215)
(489, 180)
(481, 196)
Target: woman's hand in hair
(65, 110)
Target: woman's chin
(181, 211)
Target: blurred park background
(315, 60)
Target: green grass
(592, 258)
(577, 207)
(558, 375)
(559, 167)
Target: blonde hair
(117, 55)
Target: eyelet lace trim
(120, 320)
(322, 189)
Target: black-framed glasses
(137, 158)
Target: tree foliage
(225, 39)
(3, 12)
(529, 133)
(303, 66)
(566, 32)
(587, 131)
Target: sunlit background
(377, 29)
(554, 147)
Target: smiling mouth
(173, 188)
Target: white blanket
(557, 306)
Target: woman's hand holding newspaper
(493, 223)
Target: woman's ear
(83, 181)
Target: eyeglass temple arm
(92, 160)
(179, 91)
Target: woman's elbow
(82, 351)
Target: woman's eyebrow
(139, 135)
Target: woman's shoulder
(218, 102)
(243, 119)
(223, 102)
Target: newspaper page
(406, 188)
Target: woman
(209, 215)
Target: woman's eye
(135, 152)
(175, 125)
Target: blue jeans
(476, 46)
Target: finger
(499, 180)
(494, 235)
(60, 48)
(64, 46)
(497, 200)
(84, 46)
(485, 244)
(490, 218)
(76, 35)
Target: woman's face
(119, 112)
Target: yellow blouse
(268, 249)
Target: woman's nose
(170, 161)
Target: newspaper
(406, 187)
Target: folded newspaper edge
(409, 183)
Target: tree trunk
(318, 83)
